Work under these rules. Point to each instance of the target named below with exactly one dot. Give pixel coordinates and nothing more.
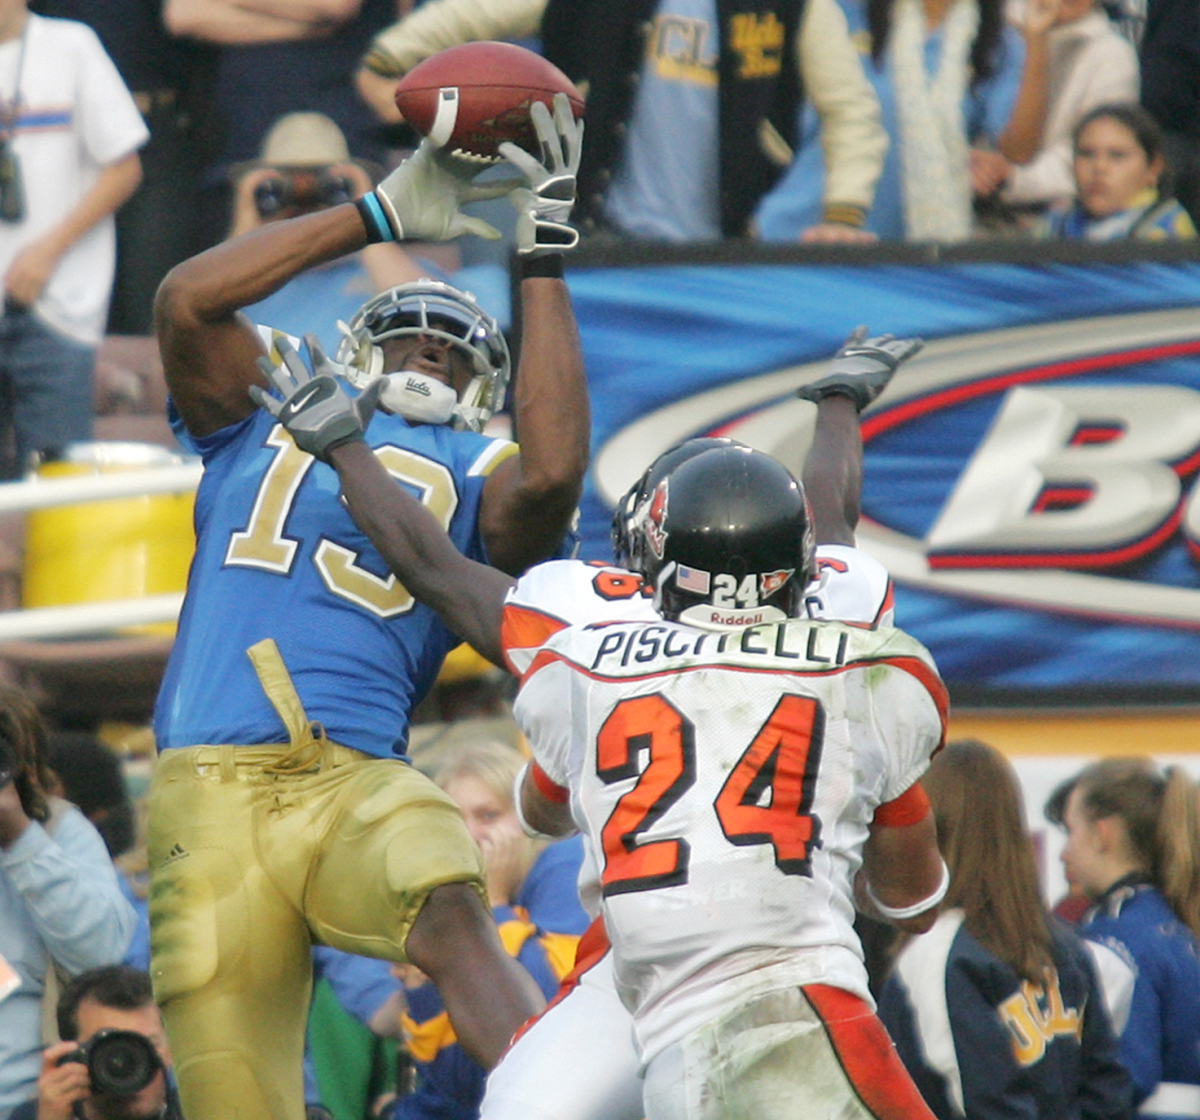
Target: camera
(304, 190)
(120, 1063)
(12, 191)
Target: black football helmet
(728, 540)
(629, 549)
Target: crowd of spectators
(194, 121)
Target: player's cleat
(862, 368)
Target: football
(472, 97)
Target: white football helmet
(433, 308)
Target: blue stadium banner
(1029, 477)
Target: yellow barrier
(99, 551)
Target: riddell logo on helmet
(738, 618)
(656, 535)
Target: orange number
(646, 723)
(783, 760)
(619, 585)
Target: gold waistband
(278, 758)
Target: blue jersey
(1161, 1041)
(278, 556)
(981, 1042)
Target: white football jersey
(727, 782)
(849, 586)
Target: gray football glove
(544, 204)
(862, 368)
(316, 410)
(423, 195)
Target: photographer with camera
(305, 166)
(61, 907)
(114, 1062)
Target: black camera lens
(120, 1063)
(334, 189)
(273, 195)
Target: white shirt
(75, 117)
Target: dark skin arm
(208, 347)
(530, 499)
(468, 596)
(209, 350)
(903, 866)
(833, 471)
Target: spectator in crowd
(949, 74)
(538, 877)
(997, 1010)
(298, 660)
(273, 57)
(691, 107)
(479, 779)
(69, 139)
(1088, 63)
(1133, 835)
(306, 166)
(61, 909)
(93, 780)
(1119, 166)
(114, 998)
(1169, 53)
(156, 227)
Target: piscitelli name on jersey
(816, 643)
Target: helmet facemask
(429, 307)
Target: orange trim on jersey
(909, 808)
(526, 628)
(913, 666)
(547, 786)
(867, 1055)
(592, 947)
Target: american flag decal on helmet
(692, 579)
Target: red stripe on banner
(867, 1055)
(910, 409)
(1108, 559)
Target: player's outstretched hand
(544, 200)
(315, 409)
(862, 368)
(421, 199)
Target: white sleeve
(538, 711)
(110, 124)
(909, 708)
(852, 133)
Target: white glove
(421, 198)
(544, 205)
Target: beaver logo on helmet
(653, 523)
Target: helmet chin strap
(419, 398)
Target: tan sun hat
(305, 140)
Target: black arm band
(374, 219)
(549, 265)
